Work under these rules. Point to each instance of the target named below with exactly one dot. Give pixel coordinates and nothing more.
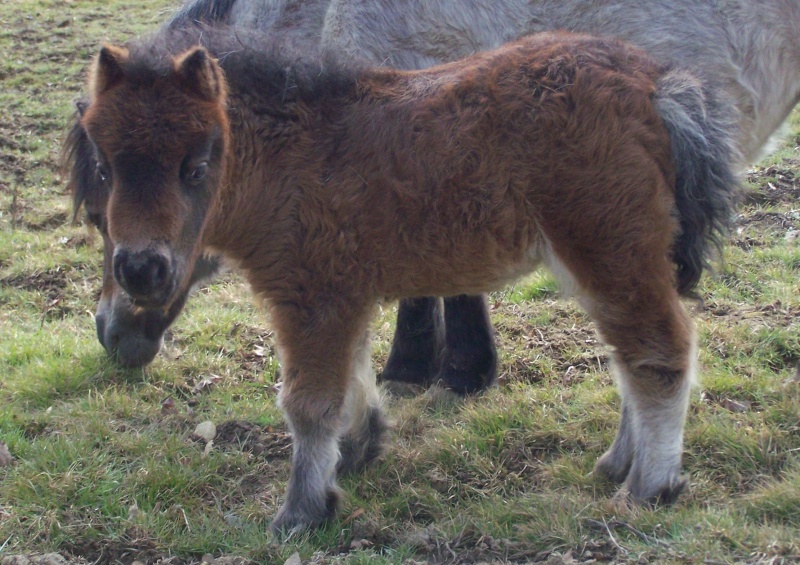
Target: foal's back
(458, 177)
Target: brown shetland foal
(332, 188)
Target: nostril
(158, 271)
(120, 257)
(100, 325)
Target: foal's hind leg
(323, 401)
(654, 353)
(616, 462)
(363, 440)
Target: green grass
(106, 467)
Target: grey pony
(744, 53)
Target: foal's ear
(200, 75)
(107, 69)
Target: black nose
(143, 274)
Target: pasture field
(106, 467)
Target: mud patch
(48, 223)
(776, 184)
(50, 283)
(129, 547)
(246, 436)
(133, 548)
(568, 346)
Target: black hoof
(468, 372)
(359, 449)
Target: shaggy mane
(258, 65)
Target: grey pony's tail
(702, 129)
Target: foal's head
(159, 129)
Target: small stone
(233, 520)
(294, 560)
(735, 405)
(5, 455)
(208, 559)
(206, 430)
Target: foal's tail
(702, 130)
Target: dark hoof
(304, 517)
(669, 494)
(467, 373)
(359, 449)
(612, 469)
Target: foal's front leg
(323, 399)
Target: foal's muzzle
(147, 276)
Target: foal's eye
(102, 173)
(198, 173)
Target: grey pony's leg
(469, 359)
(418, 339)
(458, 353)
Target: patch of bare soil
(470, 546)
(769, 314)
(10, 165)
(48, 223)
(132, 549)
(125, 549)
(51, 283)
(751, 226)
(246, 436)
(775, 184)
(569, 343)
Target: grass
(106, 468)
